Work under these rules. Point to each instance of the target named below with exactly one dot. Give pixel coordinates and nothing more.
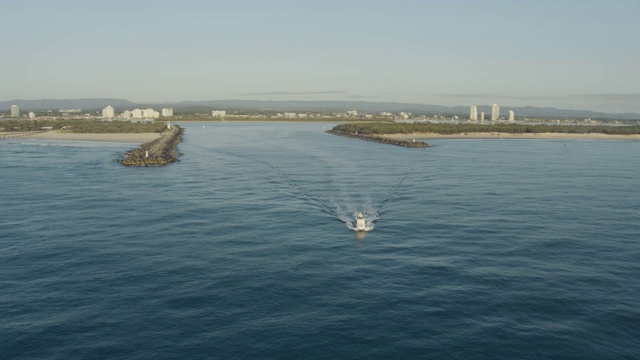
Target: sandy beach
(138, 138)
(497, 135)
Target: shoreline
(146, 137)
(104, 137)
(498, 135)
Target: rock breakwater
(159, 152)
(382, 140)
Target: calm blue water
(522, 249)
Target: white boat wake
(349, 215)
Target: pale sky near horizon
(567, 54)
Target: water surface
(481, 248)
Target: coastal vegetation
(382, 128)
(83, 126)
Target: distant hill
(308, 106)
(55, 104)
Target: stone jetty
(159, 152)
(382, 140)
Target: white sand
(124, 137)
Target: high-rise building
(15, 111)
(495, 112)
(32, 115)
(136, 114)
(150, 114)
(482, 117)
(167, 112)
(108, 112)
(219, 113)
(473, 113)
(512, 116)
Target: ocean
(244, 249)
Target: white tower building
(473, 113)
(482, 117)
(108, 112)
(495, 112)
(167, 112)
(15, 111)
(512, 116)
(150, 114)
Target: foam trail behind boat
(347, 212)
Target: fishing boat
(361, 223)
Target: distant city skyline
(570, 54)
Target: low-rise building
(150, 114)
(126, 115)
(219, 113)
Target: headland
(423, 131)
(501, 135)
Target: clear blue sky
(570, 54)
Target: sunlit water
(245, 248)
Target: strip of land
(382, 139)
(159, 152)
(137, 138)
(501, 135)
